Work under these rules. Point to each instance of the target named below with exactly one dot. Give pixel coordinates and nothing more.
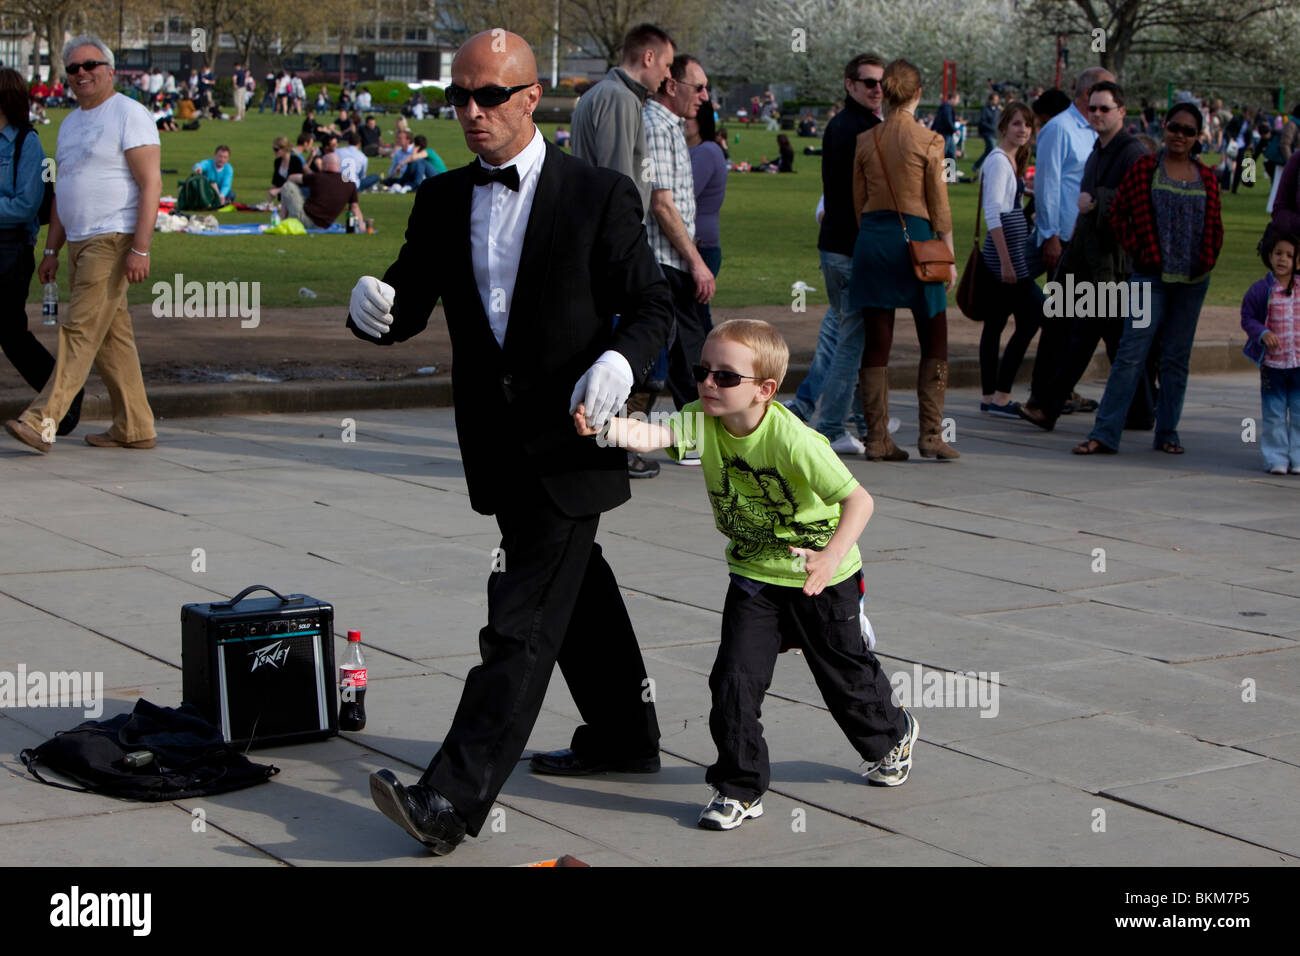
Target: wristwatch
(51, 252)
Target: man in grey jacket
(608, 131)
(607, 126)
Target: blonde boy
(793, 513)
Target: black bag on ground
(153, 753)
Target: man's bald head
(500, 59)
(1086, 81)
(506, 56)
(330, 163)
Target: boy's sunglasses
(870, 82)
(75, 68)
(721, 377)
(484, 95)
(1181, 129)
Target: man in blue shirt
(218, 171)
(21, 192)
(1064, 144)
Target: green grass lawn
(769, 231)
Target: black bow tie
(508, 177)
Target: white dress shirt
(498, 218)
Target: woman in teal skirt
(883, 278)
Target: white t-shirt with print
(93, 185)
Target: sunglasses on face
(74, 68)
(697, 87)
(721, 377)
(870, 82)
(484, 96)
(1180, 129)
(1101, 109)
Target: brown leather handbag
(931, 258)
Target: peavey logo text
(273, 654)
(75, 908)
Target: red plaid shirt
(1132, 218)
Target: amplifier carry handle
(256, 587)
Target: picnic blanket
(256, 228)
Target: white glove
(371, 302)
(603, 388)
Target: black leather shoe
(421, 811)
(565, 763)
(1037, 416)
(638, 467)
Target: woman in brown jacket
(883, 279)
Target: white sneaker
(692, 458)
(1277, 470)
(894, 769)
(846, 444)
(727, 813)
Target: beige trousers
(97, 331)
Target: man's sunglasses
(484, 95)
(1101, 109)
(721, 377)
(74, 68)
(870, 82)
(1181, 129)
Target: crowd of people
(614, 283)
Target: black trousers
(33, 362)
(31, 359)
(689, 341)
(850, 679)
(1084, 336)
(994, 301)
(555, 602)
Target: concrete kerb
(203, 400)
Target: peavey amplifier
(262, 669)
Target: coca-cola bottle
(352, 686)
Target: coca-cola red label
(349, 677)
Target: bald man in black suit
(532, 252)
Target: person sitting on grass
(785, 164)
(793, 512)
(163, 119)
(371, 136)
(287, 162)
(217, 170)
(330, 195)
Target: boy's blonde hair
(771, 354)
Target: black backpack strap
(18, 151)
(29, 758)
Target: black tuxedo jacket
(584, 259)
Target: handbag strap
(875, 136)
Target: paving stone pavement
(1133, 624)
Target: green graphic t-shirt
(777, 488)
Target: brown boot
(874, 383)
(931, 382)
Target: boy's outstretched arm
(628, 433)
(855, 512)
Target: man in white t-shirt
(353, 163)
(105, 205)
